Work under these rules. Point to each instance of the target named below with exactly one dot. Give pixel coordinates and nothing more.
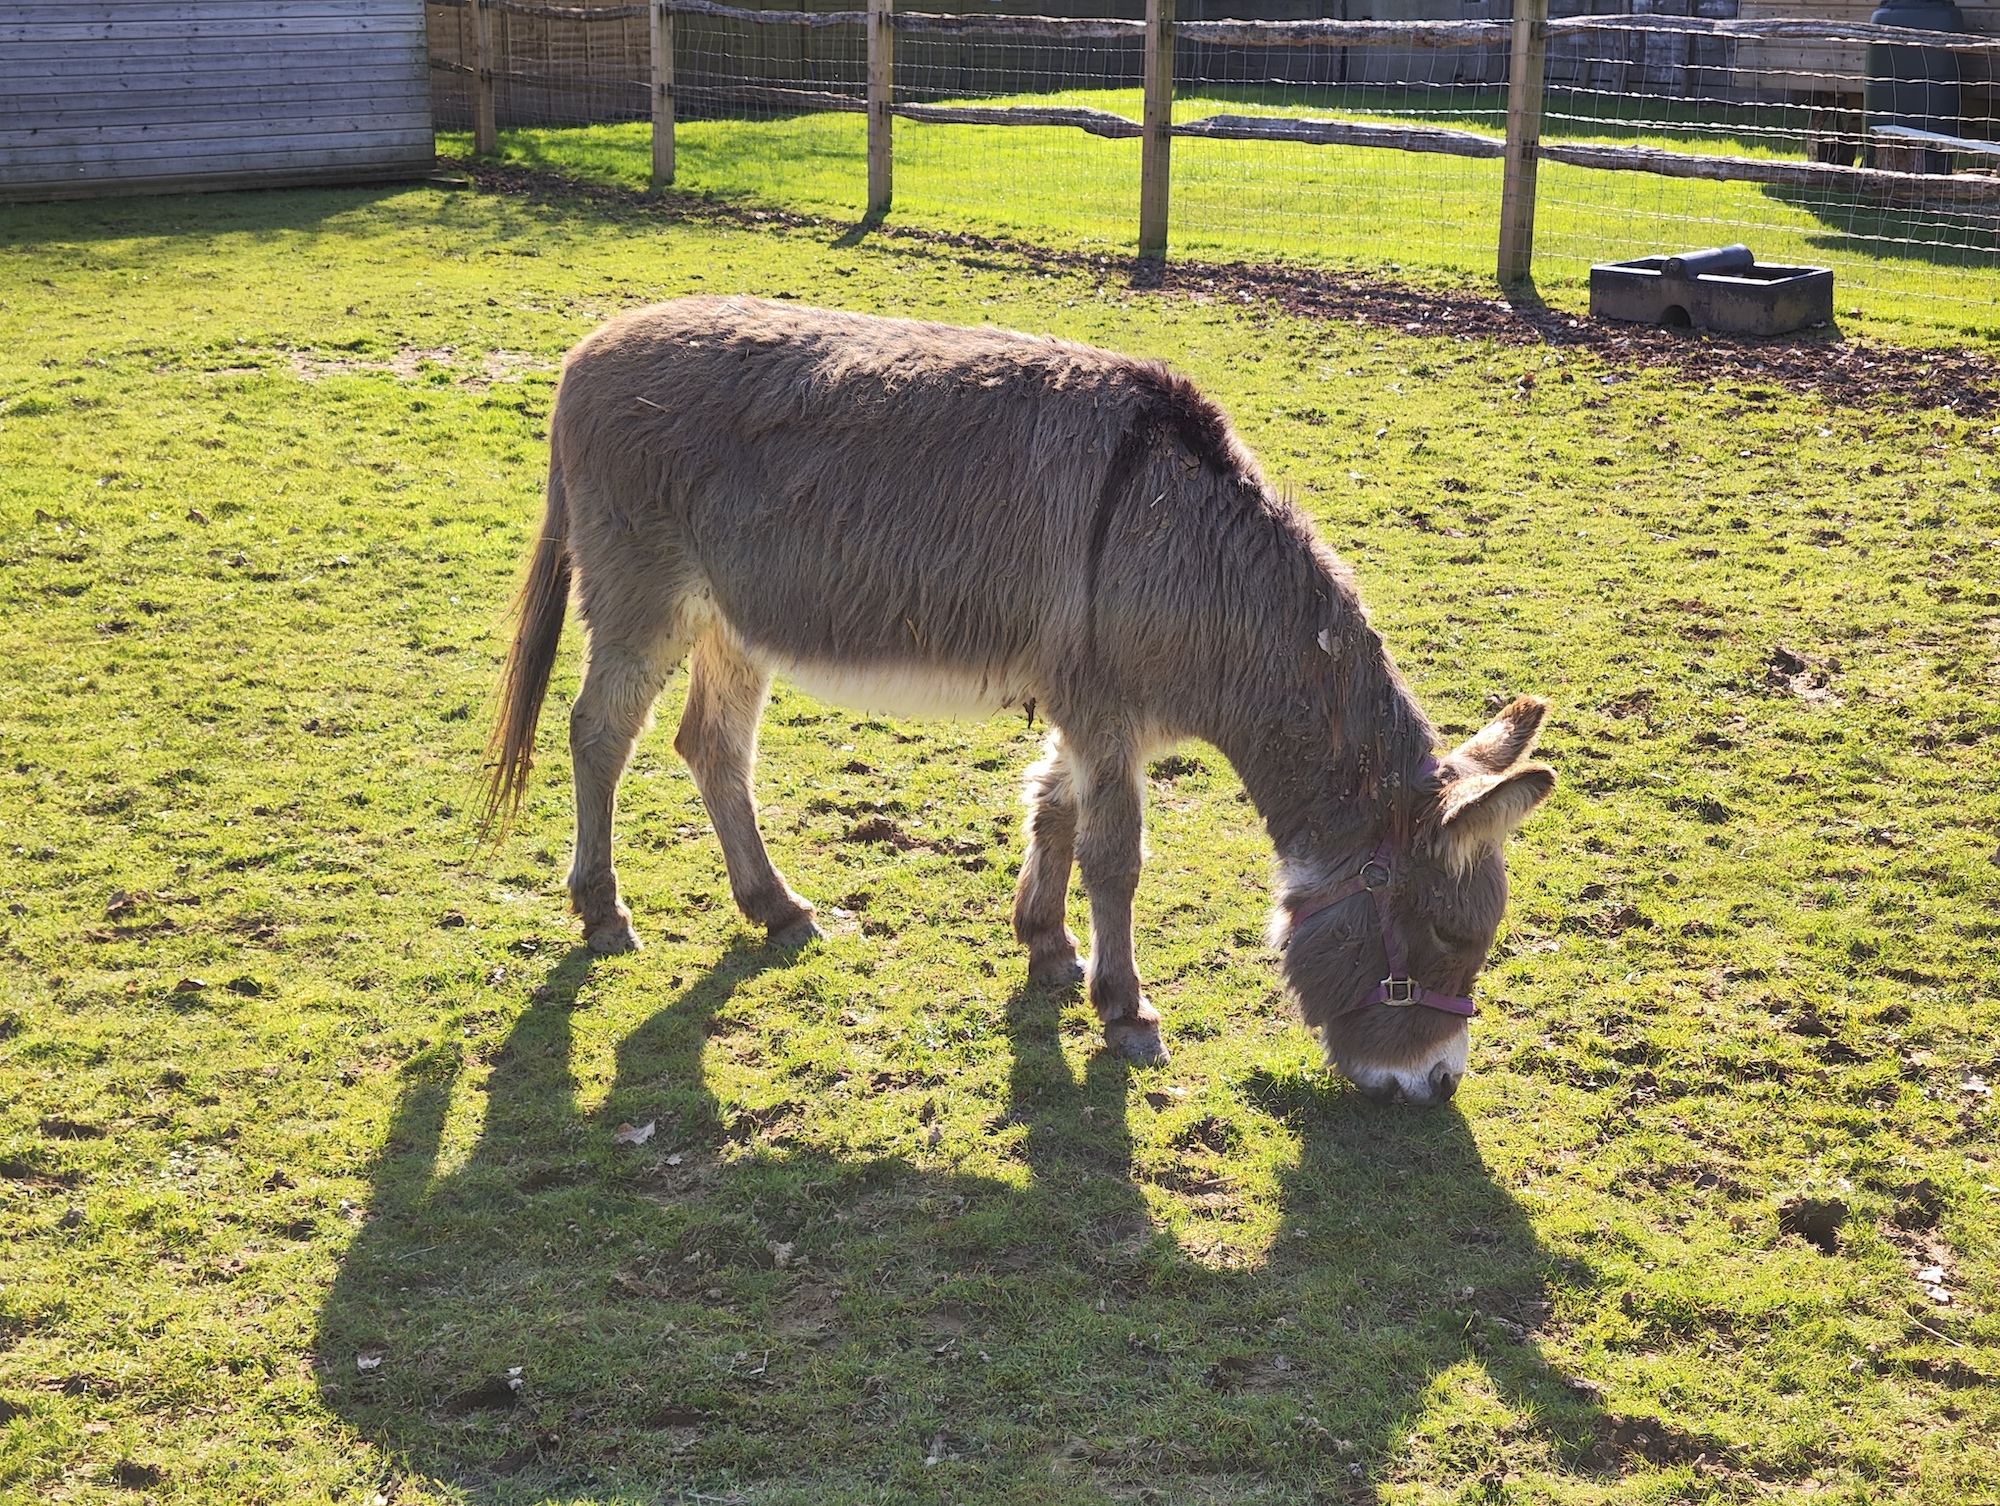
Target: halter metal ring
(1375, 874)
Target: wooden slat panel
(110, 75)
(341, 175)
(344, 126)
(235, 35)
(79, 161)
(87, 12)
(211, 102)
(1778, 68)
(154, 51)
(111, 92)
(105, 75)
(218, 81)
(155, 20)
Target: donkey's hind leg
(1041, 897)
(718, 738)
(627, 666)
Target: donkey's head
(1382, 961)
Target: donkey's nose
(1443, 1083)
(1383, 1088)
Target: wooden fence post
(663, 94)
(484, 136)
(881, 91)
(1524, 140)
(1156, 123)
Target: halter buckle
(1400, 991)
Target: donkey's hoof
(1138, 1041)
(1056, 972)
(798, 933)
(613, 939)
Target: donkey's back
(900, 514)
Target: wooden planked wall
(105, 97)
(556, 71)
(1840, 68)
(565, 72)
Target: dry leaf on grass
(123, 902)
(627, 1135)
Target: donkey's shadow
(558, 1314)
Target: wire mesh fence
(1874, 157)
(1813, 135)
(550, 65)
(1433, 208)
(1022, 178)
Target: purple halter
(1399, 988)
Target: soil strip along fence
(1775, 107)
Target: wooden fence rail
(1521, 149)
(1402, 138)
(1269, 33)
(1082, 117)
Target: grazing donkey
(914, 518)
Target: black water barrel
(1715, 261)
(1914, 86)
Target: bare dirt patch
(469, 369)
(1824, 363)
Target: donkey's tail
(538, 614)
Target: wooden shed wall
(1790, 67)
(153, 96)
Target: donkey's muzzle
(1396, 1087)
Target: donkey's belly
(904, 690)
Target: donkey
(914, 518)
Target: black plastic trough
(1721, 289)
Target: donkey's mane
(1191, 417)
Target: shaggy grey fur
(914, 516)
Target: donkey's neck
(1329, 743)
(1320, 802)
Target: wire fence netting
(1668, 125)
(1877, 160)
(1395, 205)
(552, 65)
(1022, 179)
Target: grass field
(1928, 276)
(307, 1105)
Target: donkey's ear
(1477, 812)
(1502, 742)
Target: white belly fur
(903, 690)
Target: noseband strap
(1399, 989)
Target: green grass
(1925, 277)
(903, 1232)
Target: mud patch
(469, 369)
(1823, 362)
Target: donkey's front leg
(718, 738)
(1110, 838)
(1041, 897)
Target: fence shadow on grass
(730, 1306)
(251, 212)
(1959, 237)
